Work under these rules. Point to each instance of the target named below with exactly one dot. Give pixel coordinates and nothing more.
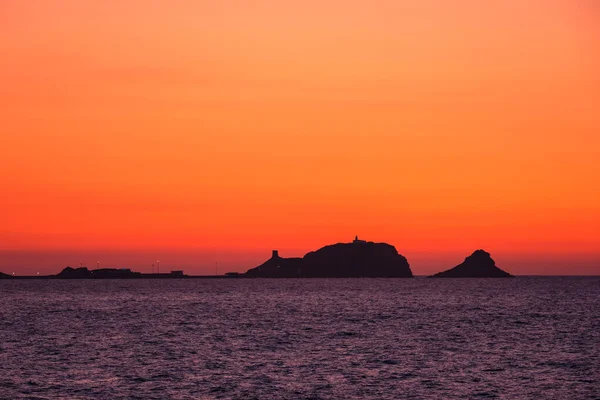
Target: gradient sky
(214, 131)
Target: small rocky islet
(480, 264)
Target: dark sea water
(418, 338)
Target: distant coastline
(357, 259)
(117, 273)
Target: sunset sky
(215, 131)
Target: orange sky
(206, 131)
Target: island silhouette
(478, 265)
(356, 259)
(343, 260)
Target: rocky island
(478, 265)
(343, 260)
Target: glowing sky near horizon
(223, 129)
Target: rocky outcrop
(342, 260)
(478, 265)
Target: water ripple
(300, 339)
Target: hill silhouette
(478, 265)
(342, 260)
(4, 276)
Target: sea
(362, 338)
